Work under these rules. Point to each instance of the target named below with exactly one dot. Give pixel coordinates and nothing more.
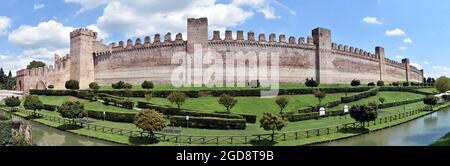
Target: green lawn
(444, 141)
(59, 100)
(430, 90)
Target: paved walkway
(9, 93)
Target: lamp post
(104, 114)
(345, 111)
(187, 121)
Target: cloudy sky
(417, 29)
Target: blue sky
(416, 29)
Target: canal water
(420, 132)
(47, 136)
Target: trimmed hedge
(183, 112)
(208, 123)
(49, 107)
(117, 101)
(371, 92)
(394, 104)
(412, 89)
(112, 116)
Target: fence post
(307, 134)
(284, 136)
(328, 131)
(217, 140)
(231, 139)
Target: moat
(48, 136)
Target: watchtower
(81, 56)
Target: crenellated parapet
(147, 44)
(83, 31)
(353, 51)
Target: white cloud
(102, 35)
(51, 35)
(395, 32)
(20, 61)
(5, 24)
(398, 57)
(403, 48)
(438, 71)
(426, 62)
(417, 65)
(372, 20)
(146, 17)
(38, 6)
(407, 40)
(88, 4)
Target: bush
(12, 102)
(51, 87)
(72, 84)
(117, 101)
(33, 102)
(147, 85)
(406, 83)
(348, 99)
(371, 84)
(72, 110)
(430, 100)
(396, 83)
(121, 85)
(363, 114)
(355, 82)
(311, 83)
(49, 107)
(112, 116)
(94, 86)
(380, 83)
(209, 123)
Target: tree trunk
(273, 135)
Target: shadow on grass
(142, 140)
(354, 130)
(262, 143)
(66, 127)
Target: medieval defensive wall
(315, 56)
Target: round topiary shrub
(380, 83)
(371, 84)
(147, 85)
(94, 86)
(51, 87)
(121, 85)
(311, 83)
(355, 82)
(395, 83)
(406, 83)
(72, 84)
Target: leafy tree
(72, 85)
(72, 110)
(2, 76)
(147, 85)
(177, 98)
(311, 83)
(355, 82)
(150, 121)
(442, 84)
(227, 101)
(282, 102)
(363, 114)
(35, 64)
(272, 122)
(380, 83)
(12, 102)
(32, 102)
(430, 100)
(320, 95)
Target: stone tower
(406, 63)
(81, 56)
(197, 33)
(322, 40)
(379, 51)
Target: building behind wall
(315, 56)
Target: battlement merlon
(197, 33)
(83, 31)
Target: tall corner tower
(81, 56)
(322, 40)
(197, 33)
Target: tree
(363, 114)
(72, 85)
(177, 98)
(430, 100)
(272, 122)
(382, 100)
(282, 102)
(227, 101)
(2, 76)
(72, 110)
(147, 85)
(33, 102)
(320, 95)
(311, 83)
(380, 83)
(442, 84)
(150, 121)
(12, 102)
(355, 82)
(35, 64)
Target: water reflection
(420, 132)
